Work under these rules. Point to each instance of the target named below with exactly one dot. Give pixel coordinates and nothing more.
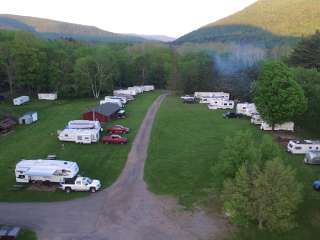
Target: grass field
(100, 161)
(186, 139)
(26, 234)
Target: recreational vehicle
(125, 92)
(21, 100)
(84, 124)
(85, 136)
(223, 95)
(47, 96)
(148, 88)
(246, 109)
(137, 89)
(304, 146)
(122, 99)
(288, 126)
(221, 104)
(256, 119)
(55, 171)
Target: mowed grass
(35, 141)
(27, 234)
(187, 139)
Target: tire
(67, 189)
(93, 190)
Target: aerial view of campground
(169, 134)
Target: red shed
(102, 113)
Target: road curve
(124, 211)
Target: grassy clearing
(27, 234)
(100, 161)
(186, 139)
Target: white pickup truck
(82, 184)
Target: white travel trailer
(122, 99)
(21, 100)
(56, 171)
(247, 109)
(84, 136)
(28, 118)
(288, 126)
(125, 92)
(137, 89)
(256, 119)
(83, 124)
(221, 104)
(304, 146)
(223, 95)
(148, 88)
(109, 100)
(47, 96)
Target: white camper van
(56, 171)
(256, 119)
(47, 96)
(304, 146)
(85, 136)
(288, 126)
(21, 100)
(246, 109)
(221, 104)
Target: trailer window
(298, 148)
(21, 176)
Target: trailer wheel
(67, 189)
(93, 190)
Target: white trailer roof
(46, 166)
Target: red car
(118, 129)
(114, 139)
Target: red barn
(102, 113)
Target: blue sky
(164, 17)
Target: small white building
(28, 118)
(304, 146)
(21, 100)
(84, 136)
(288, 126)
(247, 109)
(48, 96)
(221, 104)
(56, 171)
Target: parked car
(316, 185)
(82, 184)
(312, 157)
(120, 114)
(118, 129)
(114, 139)
(232, 115)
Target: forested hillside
(268, 22)
(55, 29)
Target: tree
(307, 53)
(268, 196)
(279, 98)
(8, 62)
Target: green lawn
(100, 161)
(26, 234)
(186, 139)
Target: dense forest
(29, 65)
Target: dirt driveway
(124, 211)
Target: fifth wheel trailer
(56, 171)
(288, 126)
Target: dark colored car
(114, 139)
(232, 115)
(120, 114)
(118, 129)
(316, 185)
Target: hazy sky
(166, 17)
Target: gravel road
(124, 211)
